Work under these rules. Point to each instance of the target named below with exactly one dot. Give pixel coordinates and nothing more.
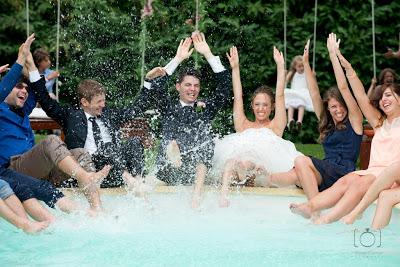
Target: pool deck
(289, 192)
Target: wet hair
(90, 88)
(264, 90)
(326, 123)
(292, 68)
(188, 72)
(40, 55)
(383, 73)
(378, 94)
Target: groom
(187, 146)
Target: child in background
(42, 61)
(298, 96)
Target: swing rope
(58, 45)
(315, 34)
(373, 36)
(27, 17)
(284, 31)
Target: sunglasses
(21, 86)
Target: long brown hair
(326, 123)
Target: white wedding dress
(259, 146)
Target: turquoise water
(254, 231)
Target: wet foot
(322, 220)
(350, 218)
(303, 210)
(35, 227)
(174, 154)
(97, 178)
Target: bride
(256, 149)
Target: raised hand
(278, 57)
(156, 72)
(306, 52)
(345, 64)
(233, 57)
(184, 51)
(332, 43)
(4, 68)
(24, 49)
(391, 54)
(200, 44)
(53, 75)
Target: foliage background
(102, 39)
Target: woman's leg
(384, 181)
(290, 114)
(308, 175)
(383, 213)
(349, 200)
(325, 199)
(282, 179)
(227, 175)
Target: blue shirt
(16, 136)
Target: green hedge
(102, 39)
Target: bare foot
(303, 210)
(96, 178)
(174, 154)
(224, 202)
(31, 227)
(350, 218)
(195, 202)
(322, 220)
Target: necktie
(96, 132)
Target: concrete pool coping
(288, 192)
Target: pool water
(255, 231)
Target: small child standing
(298, 96)
(42, 61)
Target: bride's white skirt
(260, 146)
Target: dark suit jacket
(73, 120)
(190, 127)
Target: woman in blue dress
(340, 128)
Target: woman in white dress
(298, 96)
(257, 147)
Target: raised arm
(239, 117)
(312, 83)
(279, 121)
(354, 112)
(370, 112)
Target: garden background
(103, 39)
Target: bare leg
(285, 178)
(201, 171)
(324, 199)
(300, 114)
(350, 199)
(383, 213)
(290, 114)
(15, 204)
(21, 222)
(226, 181)
(67, 205)
(88, 181)
(134, 184)
(37, 211)
(308, 176)
(174, 154)
(384, 181)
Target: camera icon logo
(367, 238)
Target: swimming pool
(256, 230)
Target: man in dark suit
(96, 128)
(187, 142)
